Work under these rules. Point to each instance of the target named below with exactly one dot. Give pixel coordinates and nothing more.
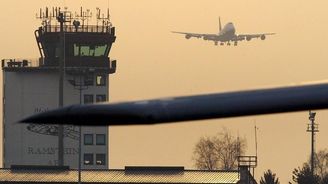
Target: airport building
(74, 68)
(129, 175)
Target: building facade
(74, 66)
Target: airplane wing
(220, 105)
(248, 37)
(190, 35)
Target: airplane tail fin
(220, 24)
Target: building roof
(121, 176)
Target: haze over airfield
(153, 62)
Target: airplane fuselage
(224, 35)
(227, 33)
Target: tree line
(221, 152)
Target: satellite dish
(76, 24)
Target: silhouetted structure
(313, 128)
(129, 175)
(247, 164)
(71, 52)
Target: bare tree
(321, 163)
(205, 155)
(219, 152)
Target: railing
(72, 63)
(81, 29)
(249, 161)
(20, 62)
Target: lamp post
(313, 128)
(61, 19)
(80, 85)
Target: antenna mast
(104, 19)
(84, 16)
(255, 139)
(313, 128)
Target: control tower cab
(85, 46)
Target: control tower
(73, 68)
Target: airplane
(225, 35)
(188, 108)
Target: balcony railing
(80, 29)
(73, 63)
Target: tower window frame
(100, 98)
(100, 159)
(88, 99)
(88, 159)
(88, 139)
(101, 80)
(88, 80)
(101, 139)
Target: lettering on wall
(40, 109)
(50, 151)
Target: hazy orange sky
(153, 62)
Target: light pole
(79, 86)
(61, 19)
(313, 128)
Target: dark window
(101, 80)
(100, 139)
(100, 98)
(89, 50)
(100, 50)
(88, 80)
(88, 159)
(88, 139)
(100, 159)
(88, 99)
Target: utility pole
(61, 20)
(313, 128)
(80, 85)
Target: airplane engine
(188, 36)
(262, 37)
(248, 38)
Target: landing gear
(215, 43)
(221, 43)
(235, 43)
(228, 43)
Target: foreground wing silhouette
(221, 105)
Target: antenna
(238, 145)
(256, 128)
(84, 16)
(101, 17)
(47, 16)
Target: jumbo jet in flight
(225, 35)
